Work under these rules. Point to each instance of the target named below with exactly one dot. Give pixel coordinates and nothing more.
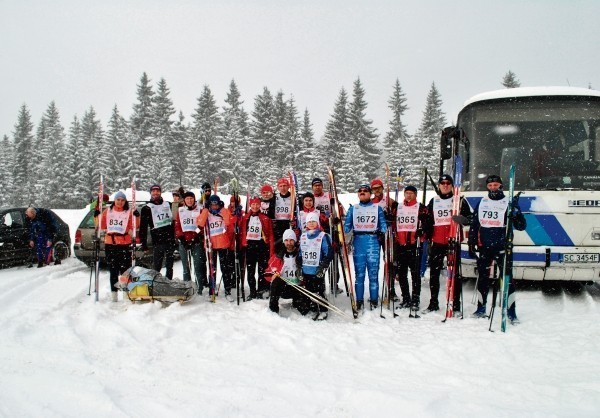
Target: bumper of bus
(545, 263)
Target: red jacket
(410, 238)
(189, 236)
(267, 230)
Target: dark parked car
(84, 243)
(14, 238)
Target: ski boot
(360, 305)
(433, 307)
(512, 315)
(480, 312)
(373, 304)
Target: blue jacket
(326, 253)
(495, 238)
(44, 225)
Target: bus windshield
(553, 141)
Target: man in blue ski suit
(487, 235)
(41, 234)
(367, 221)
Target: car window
(14, 219)
(88, 221)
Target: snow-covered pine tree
(117, 152)
(51, 187)
(428, 135)
(236, 132)
(398, 145)
(510, 80)
(6, 166)
(163, 156)
(280, 161)
(262, 132)
(331, 146)
(306, 156)
(361, 132)
(142, 145)
(205, 140)
(76, 166)
(180, 132)
(96, 159)
(335, 146)
(22, 172)
(292, 142)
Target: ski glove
(420, 232)
(381, 238)
(320, 273)
(136, 213)
(96, 213)
(336, 220)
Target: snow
(63, 355)
(532, 91)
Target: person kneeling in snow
(316, 252)
(284, 274)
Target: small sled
(144, 284)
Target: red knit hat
(254, 200)
(283, 180)
(376, 182)
(266, 188)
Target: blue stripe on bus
(537, 257)
(542, 229)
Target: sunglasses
(364, 191)
(445, 183)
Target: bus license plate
(581, 258)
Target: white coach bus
(552, 135)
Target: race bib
(491, 212)
(365, 218)
(442, 211)
(161, 214)
(407, 218)
(116, 222)
(289, 270)
(216, 225)
(311, 249)
(324, 202)
(187, 218)
(254, 231)
(283, 208)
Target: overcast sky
(92, 53)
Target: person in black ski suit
(157, 216)
(41, 234)
(439, 212)
(287, 264)
(487, 236)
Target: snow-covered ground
(62, 354)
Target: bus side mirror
(446, 142)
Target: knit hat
(410, 189)
(446, 177)
(493, 178)
(266, 188)
(155, 187)
(120, 195)
(309, 195)
(189, 194)
(289, 234)
(205, 186)
(317, 180)
(283, 180)
(214, 199)
(254, 200)
(376, 182)
(312, 217)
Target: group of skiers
(286, 241)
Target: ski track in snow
(62, 354)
